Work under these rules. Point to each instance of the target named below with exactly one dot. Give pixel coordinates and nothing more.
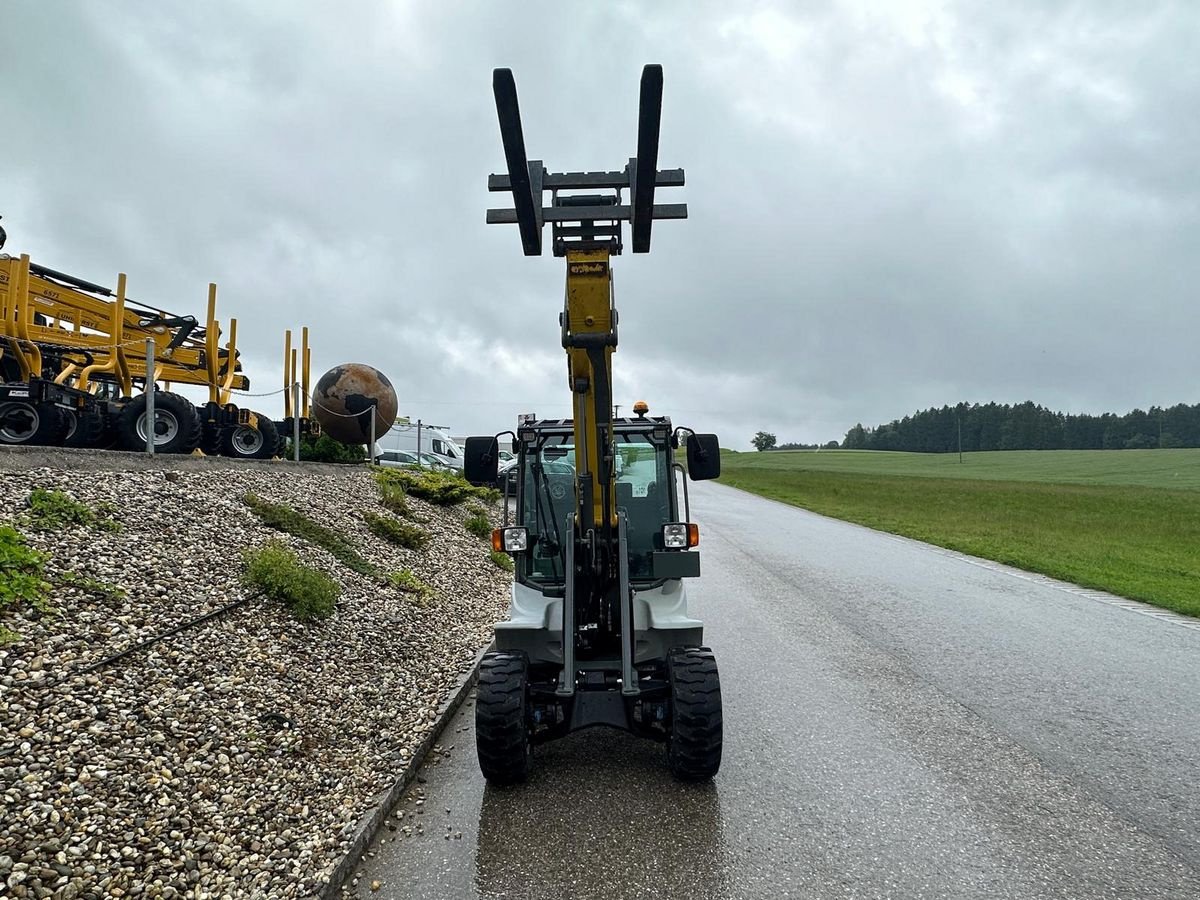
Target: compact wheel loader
(599, 631)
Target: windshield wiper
(553, 543)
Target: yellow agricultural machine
(73, 359)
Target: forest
(1026, 426)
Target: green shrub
(22, 580)
(479, 526)
(52, 510)
(408, 536)
(284, 518)
(393, 498)
(276, 571)
(440, 487)
(326, 450)
(501, 559)
(409, 583)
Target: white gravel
(158, 776)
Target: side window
(439, 447)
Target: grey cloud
(888, 211)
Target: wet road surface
(900, 721)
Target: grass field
(1176, 469)
(1121, 521)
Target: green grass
(276, 571)
(284, 518)
(1175, 469)
(1112, 534)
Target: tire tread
(694, 746)
(501, 728)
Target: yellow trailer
(73, 370)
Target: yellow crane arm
(590, 337)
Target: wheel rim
(166, 427)
(246, 440)
(18, 422)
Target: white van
(435, 439)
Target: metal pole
(150, 422)
(296, 421)
(371, 449)
(420, 462)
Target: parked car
(398, 459)
(434, 440)
(433, 461)
(506, 473)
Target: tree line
(1026, 426)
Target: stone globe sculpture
(344, 397)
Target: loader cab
(546, 483)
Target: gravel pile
(232, 759)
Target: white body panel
(660, 622)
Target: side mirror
(703, 457)
(481, 456)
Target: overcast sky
(889, 210)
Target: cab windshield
(643, 493)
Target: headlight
(675, 535)
(510, 540)
(680, 535)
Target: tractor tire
(177, 424)
(210, 439)
(248, 442)
(29, 424)
(694, 744)
(502, 717)
(82, 428)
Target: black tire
(281, 444)
(270, 434)
(210, 438)
(250, 442)
(29, 424)
(502, 717)
(177, 424)
(694, 745)
(82, 428)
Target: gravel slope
(232, 759)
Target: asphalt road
(899, 722)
